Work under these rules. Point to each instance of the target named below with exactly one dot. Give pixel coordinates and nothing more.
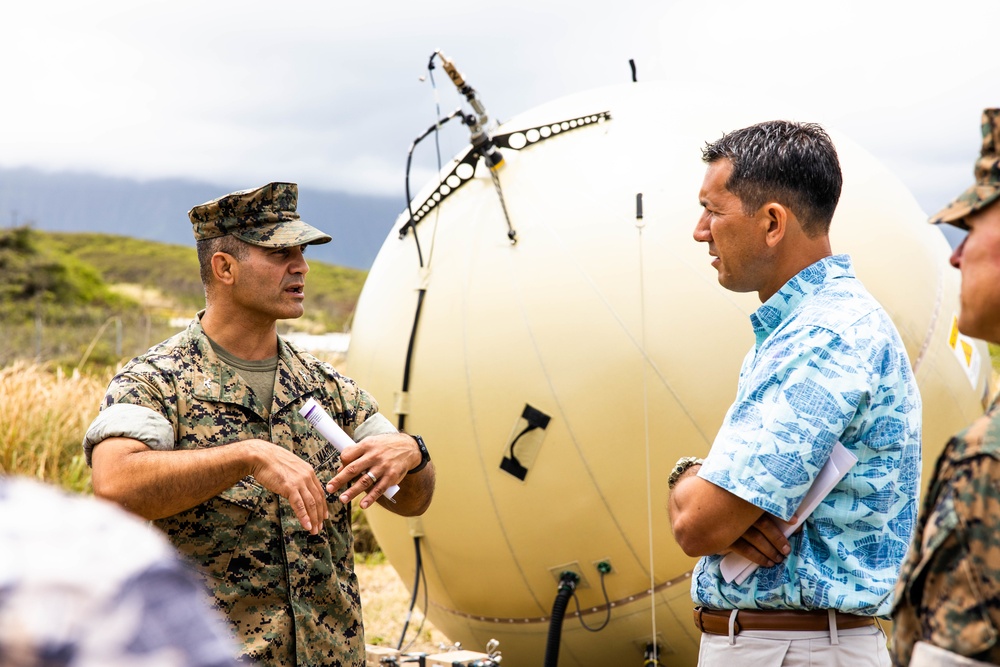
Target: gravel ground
(385, 602)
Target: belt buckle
(697, 618)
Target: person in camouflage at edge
(947, 608)
(202, 434)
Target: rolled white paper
(736, 567)
(330, 429)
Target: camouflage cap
(986, 189)
(264, 216)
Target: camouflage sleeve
(349, 404)
(135, 406)
(365, 405)
(141, 384)
(953, 591)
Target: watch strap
(681, 467)
(425, 456)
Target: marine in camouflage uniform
(947, 608)
(289, 590)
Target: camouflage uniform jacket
(948, 592)
(291, 597)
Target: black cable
(409, 162)
(416, 241)
(423, 618)
(607, 603)
(409, 207)
(437, 113)
(413, 598)
(409, 353)
(567, 583)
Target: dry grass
(152, 298)
(43, 416)
(385, 602)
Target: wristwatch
(681, 467)
(425, 456)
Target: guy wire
(639, 224)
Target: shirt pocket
(213, 532)
(945, 590)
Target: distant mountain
(157, 210)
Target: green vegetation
(51, 303)
(96, 299)
(171, 269)
(34, 271)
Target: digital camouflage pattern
(292, 597)
(987, 186)
(948, 592)
(263, 216)
(118, 596)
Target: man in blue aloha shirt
(827, 366)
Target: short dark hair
(228, 244)
(794, 164)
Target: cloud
(328, 93)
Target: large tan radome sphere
(611, 336)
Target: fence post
(38, 330)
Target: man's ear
(223, 267)
(777, 219)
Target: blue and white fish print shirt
(828, 365)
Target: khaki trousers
(857, 647)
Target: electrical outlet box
(604, 566)
(573, 567)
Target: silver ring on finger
(372, 477)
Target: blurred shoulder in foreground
(83, 583)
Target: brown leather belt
(716, 621)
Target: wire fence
(80, 338)
(97, 340)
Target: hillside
(77, 299)
(156, 210)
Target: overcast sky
(327, 93)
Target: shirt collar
(217, 381)
(782, 303)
